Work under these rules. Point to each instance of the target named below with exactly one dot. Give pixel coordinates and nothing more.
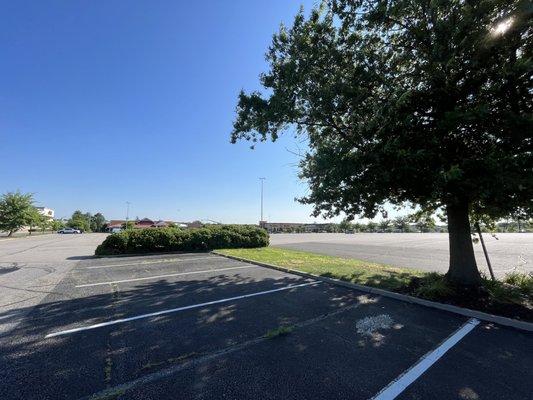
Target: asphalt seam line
(158, 375)
(398, 385)
(168, 260)
(162, 276)
(174, 310)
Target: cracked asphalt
(200, 326)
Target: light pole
(127, 213)
(262, 181)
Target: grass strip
(510, 297)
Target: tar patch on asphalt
(7, 270)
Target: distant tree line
(407, 224)
(426, 224)
(399, 224)
(87, 222)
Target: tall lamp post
(127, 213)
(262, 182)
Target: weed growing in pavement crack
(108, 367)
(281, 331)
(116, 293)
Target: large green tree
(80, 221)
(420, 101)
(16, 211)
(56, 224)
(97, 222)
(37, 219)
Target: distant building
(144, 223)
(116, 225)
(47, 212)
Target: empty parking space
(490, 363)
(88, 276)
(323, 360)
(203, 326)
(141, 261)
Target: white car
(69, 230)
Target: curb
(467, 312)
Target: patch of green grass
(108, 367)
(502, 293)
(281, 331)
(356, 271)
(511, 296)
(433, 286)
(523, 281)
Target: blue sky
(107, 102)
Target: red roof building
(117, 224)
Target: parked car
(68, 230)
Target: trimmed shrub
(114, 244)
(162, 240)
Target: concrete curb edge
(513, 323)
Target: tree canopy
(426, 102)
(97, 222)
(16, 211)
(80, 221)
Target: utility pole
(262, 181)
(127, 213)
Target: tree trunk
(463, 269)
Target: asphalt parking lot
(200, 326)
(424, 251)
(31, 268)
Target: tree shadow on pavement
(391, 280)
(75, 365)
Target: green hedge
(174, 239)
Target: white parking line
(397, 386)
(173, 310)
(147, 278)
(168, 260)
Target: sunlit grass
(512, 296)
(356, 271)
